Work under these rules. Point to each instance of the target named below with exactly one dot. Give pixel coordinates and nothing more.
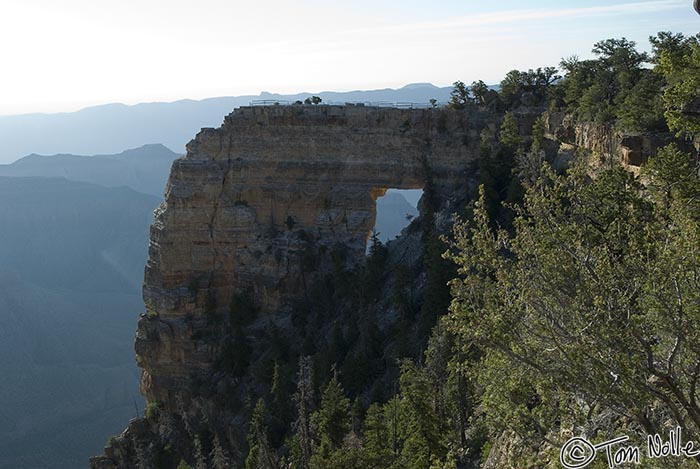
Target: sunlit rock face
(603, 141)
(243, 205)
(269, 204)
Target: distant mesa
(415, 86)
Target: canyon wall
(244, 207)
(248, 197)
(603, 141)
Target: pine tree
(377, 451)
(509, 136)
(593, 299)
(200, 458)
(218, 455)
(678, 60)
(459, 96)
(302, 442)
(538, 131)
(423, 433)
(337, 448)
(333, 416)
(260, 454)
(280, 406)
(436, 295)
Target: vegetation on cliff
(576, 302)
(565, 300)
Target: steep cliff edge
(259, 211)
(242, 205)
(241, 211)
(602, 140)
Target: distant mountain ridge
(419, 93)
(144, 169)
(109, 128)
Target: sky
(65, 55)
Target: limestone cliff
(602, 140)
(241, 209)
(257, 209)
(235, 205)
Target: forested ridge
(565, 300)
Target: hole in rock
(395, 211)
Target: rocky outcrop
(242, 210)
(603, 140)
(259, 206)
(243, 204)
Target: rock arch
(242, 204)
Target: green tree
(219, 459)
(585, 89)
(673, 45)
(302, 441)
(615, 87)
(622, 57)
(497, 164)
(641, 107)
(538, 131)
(338, 447)
(315, 100)
(678, 60)
(592, 300)
(459, 96)
(480, 91)
(260, 454)
(509, 136)
(333, 416)
(436, 294)
(423, 435)
(529, 88)
(377, 448)
(280, 404)
(673, 176)
(369, 275)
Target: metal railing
(388, 104)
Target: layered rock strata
(604, 141)
(248, 197)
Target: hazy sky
(67, 54)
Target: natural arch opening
(396, 209)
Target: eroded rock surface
(248, 197)
(259, 207)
